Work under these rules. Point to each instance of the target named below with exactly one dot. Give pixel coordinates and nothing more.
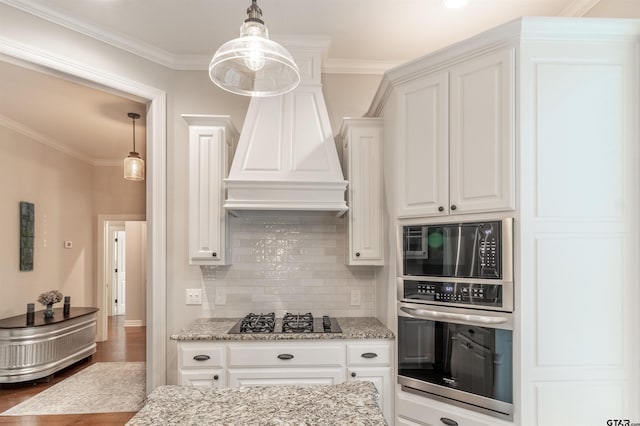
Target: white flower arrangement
(50, 297)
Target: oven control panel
(453, 292)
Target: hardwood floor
(124, 344)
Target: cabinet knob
(285, 356)
(216, 377)
(201, 357)
(440, 209)
(357, 254)
(214, 254)
(453, 207)
(353, 374)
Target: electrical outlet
(355, 297)
(220, 296)
(194, 296)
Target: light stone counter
(217, 328)
(343, 404)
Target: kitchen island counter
(216, 329)
(342, 404)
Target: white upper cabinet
(423, 126)
(482, 134)
(211, 145)
(362, 152)
(455, 129)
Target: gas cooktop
(289, 323)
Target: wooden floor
(124, 344)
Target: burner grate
(258, 323)
(297, 323)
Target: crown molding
(191, 62)
(28, 132)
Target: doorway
(156, 119)
(122, 271)
(125, 274)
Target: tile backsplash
(288, 262)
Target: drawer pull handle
(449, 422)
(369, 355)
(202, 357)
(285, 356)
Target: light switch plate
(194, 296)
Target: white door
(119, 273)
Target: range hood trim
(300, 196)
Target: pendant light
(253, 65)
(133, 164)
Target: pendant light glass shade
(133, 164)
(253, 65)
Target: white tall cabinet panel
(362, 160)
(579, 227)
(211, 144)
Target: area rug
(103, 387)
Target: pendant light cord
(134, 134)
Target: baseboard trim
(133, 323)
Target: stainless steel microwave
(474, 250)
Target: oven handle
(436, 315)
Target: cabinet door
(285, 376)
(206, 195)
(423, 157)
(362, 155)
(482, 138)
(203, 378)
(381, 378)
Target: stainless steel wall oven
(455, 321)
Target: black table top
(20, 321)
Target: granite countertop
(217, 328)
(342, 404)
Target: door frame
(156, 182)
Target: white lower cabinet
(202, 364)
(381, 378)
(302, 362)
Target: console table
(30, 351)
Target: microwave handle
(436, 315)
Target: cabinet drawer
(200, 355)
(286, 355)
(369, 354)
(414, 409)
(286, 376)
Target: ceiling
(363, 36)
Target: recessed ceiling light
(454, 4)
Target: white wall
(66, 195)
(136, 277)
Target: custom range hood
(286, 158)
